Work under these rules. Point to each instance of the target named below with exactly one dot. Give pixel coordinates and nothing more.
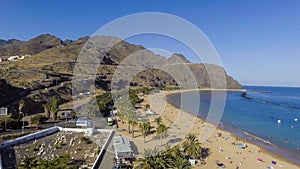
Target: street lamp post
(23, 122)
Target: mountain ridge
(51, 54)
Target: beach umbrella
(241, 146)
(259, 159)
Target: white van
(110, 121)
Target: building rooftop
(122, 147)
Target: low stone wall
(29, 137)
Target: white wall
(29, 137)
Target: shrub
(104, 102)
(13, 136)
(39, 119)
(86, 140)
(11, 123)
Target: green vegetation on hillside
(104, 102)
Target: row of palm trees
(50, 108)
(175, 157)
(127, 111)
(145, 126)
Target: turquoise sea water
(257, 114)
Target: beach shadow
(138, 135)
(134, 148)
(175, 140)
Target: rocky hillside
(132, 56)
(9, 92)
(33, 46)
(51, 58)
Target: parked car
(38, 128)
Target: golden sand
(224, 149)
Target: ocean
(270, 114)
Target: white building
(122, 148)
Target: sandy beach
(223, 145)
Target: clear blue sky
(258, 40)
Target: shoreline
(203, 89)
(247, 140)
(262, 144)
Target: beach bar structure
(122, 148)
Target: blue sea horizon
(257, 112)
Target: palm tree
(179, 163)
(191, 146)
(160, 131)
(21, 105)
(152, 159)
(129, 122)
(54, 107)
(175, 152)
(47, 108)
(145, 163)
(174, 158)
(145, 127)
(169, 158)
(133, 124)
(158, 120)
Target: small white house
(13, 58)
